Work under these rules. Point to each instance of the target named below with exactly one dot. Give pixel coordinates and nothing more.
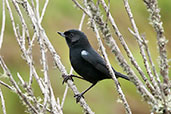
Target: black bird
(85, 60)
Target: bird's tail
(119, 75)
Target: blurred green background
(62, 15)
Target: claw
(66, 78)
(78, 97)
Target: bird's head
(75, 38)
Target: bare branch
(2, 102)
(6, 85)
(3, 23)
(81, 22)
(37, 10)
(43, 11)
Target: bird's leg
(69, 77)
(78, 96)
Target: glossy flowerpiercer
(85, 60)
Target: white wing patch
(84, 52)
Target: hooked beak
(61, 33)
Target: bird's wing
(96, 60)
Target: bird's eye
(71, 35)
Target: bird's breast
(76, 60)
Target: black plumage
(85, 60)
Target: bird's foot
(78, 97)
(66, 78)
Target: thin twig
(6, 85)
(46, 77)
(64, 96)
(2, 102)
(3, 23)
(43, 10)
(81, 22)
(37, 10)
